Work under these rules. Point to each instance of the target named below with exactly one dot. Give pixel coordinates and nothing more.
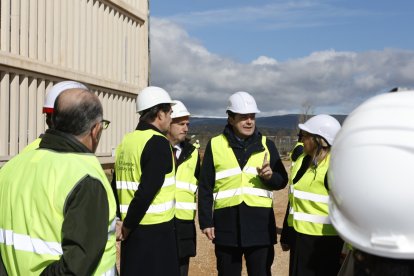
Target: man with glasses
(57, 209)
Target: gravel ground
(204, 264)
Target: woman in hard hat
(318, 246)
(287, 237)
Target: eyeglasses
(105, 124)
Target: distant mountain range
(288, 122)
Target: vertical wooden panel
(101, 58)
(24, 29)
(23, 111)
(104, 101)
(119, 47)
(108, 114)
(89, 50)
(94, 35)
(125, 49)
(120, 118)
(110, 41)
(40, 117)
(124, 118)
(14, 114)
(114, 111)
(15, 27)
(5, 26)
(4, 112)
(105, 43)
(82, 36)
(70, 22)
(115, 51)
(41, 30)
(131, 49)
(56, 32)
(63, 49)
(49, 23)
(136, 53)
(32, 111)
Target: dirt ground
(204, 264)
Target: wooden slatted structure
(101, 43)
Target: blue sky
(329, 55)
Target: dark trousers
(150, 250)
(184, 266)
(259, 260)
(317, 255)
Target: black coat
(241, 225)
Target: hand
(209, 232)
(265, 172)
(118, 231)
(125, 232)
(285, 246)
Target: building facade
(101, 43)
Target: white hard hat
(242, 103)
(152, 96)
(55, 91)
(371, 177)
(323, 125)
(179, 110)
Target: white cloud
(331, 81)
(279, 15)
(263, 60)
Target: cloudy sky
(326, 55)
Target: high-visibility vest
(293, 171)
(33, 145)
(310, 202)
(186, 188)
(35, 185)
(128, 176)
(234, 185)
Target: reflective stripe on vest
(234, 185)
(310, 202)
(186, 188)
(31, 235)
(133, 186)
(29, 244)
(128, 176)
(293, 171)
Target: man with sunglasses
(57, 209)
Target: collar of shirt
(178, 150)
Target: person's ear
(230, 120)
(96, 130)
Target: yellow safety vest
(186, 188)
(33, 145)
(293, 171)
(128, 176)
(310, 202)
(234, 185)
(35, 186)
